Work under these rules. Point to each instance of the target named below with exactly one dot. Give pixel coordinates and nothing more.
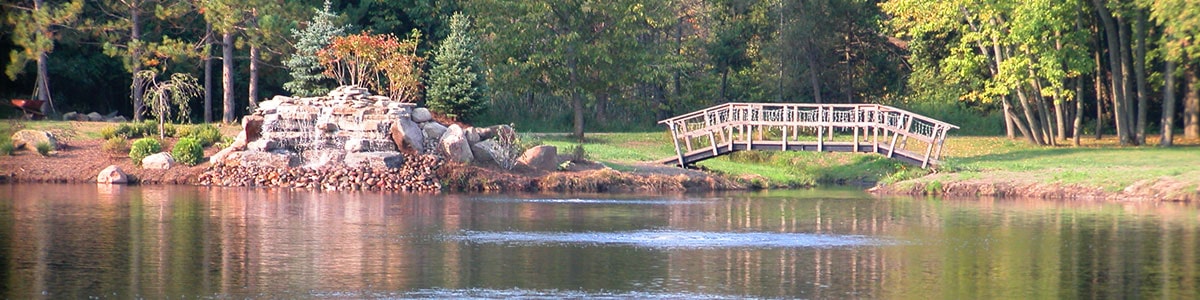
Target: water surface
(80, 241)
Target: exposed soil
(79, 161)
(1003, 184)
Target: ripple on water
(593, 201)
(479, 293)
(672, 239)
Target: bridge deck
(732, 127)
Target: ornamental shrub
(188, 151)
(142, 148)
(206, 134)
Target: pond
(80, 241)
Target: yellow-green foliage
(142, 148)
(188, 151)
(116, 144)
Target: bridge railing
(728, 123)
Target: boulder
(71, 116)
(239, 142)
(158, 161)
(117, 119)
(265, 145)
(95, 117)
(355, 145)
(252, 126)
(490, 132)
(29, 139)
(407, 135)
(486, 151)
(320, 158)
(454, 144)
(544, 157)
(376, 160)
(223, 155)
(278, 160)
(421, 115)
(433, 130)
(112, 175)
(472, 135)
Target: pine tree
(306, 70)
(456, 83)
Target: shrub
(6, 147)
(109, 132)
(188, 151)
(142, 148)
(44, 148)
(169, 130)
(116, 144)
(206, 134)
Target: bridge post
(675, 140)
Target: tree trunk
(227, 77)
(1139, 69)
(576, 94)
(1114, 62)
(135, 60)
(208, 66)
(1168, 115)
(1034, 130)
(1012, 118)
(812, 76)
(1077, 127)
(1191, 105)
(43, 83)
(253, 91)
(1128, 91)
(724, 85)
(1101, 93)
(1008, 120)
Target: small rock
(112, 175)
(327, 127)
(158, 161)
(421, 115)
(268, 159)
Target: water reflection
(75, 241)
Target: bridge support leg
(675, 141)
(820, 139)
(785, 138)
(855, 140)
(892, 147)
(712, 142)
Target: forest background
(1041, 70)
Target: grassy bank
(628, 151)
(1097, 164)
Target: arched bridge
(732, 127)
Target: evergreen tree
(307, 74)
(456, 83)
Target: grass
(1099, 163)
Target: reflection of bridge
(730, 127)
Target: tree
(34, 31)
(456, 82)
(165, 97)
(308, 78)
(376, 61)
(573, 49)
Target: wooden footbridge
(732, 127)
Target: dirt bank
(1013, 184)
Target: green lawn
(1098, 163)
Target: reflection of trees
(163, 241)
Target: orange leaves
(380, 62)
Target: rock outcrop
(29, 139)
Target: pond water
(81, 241)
